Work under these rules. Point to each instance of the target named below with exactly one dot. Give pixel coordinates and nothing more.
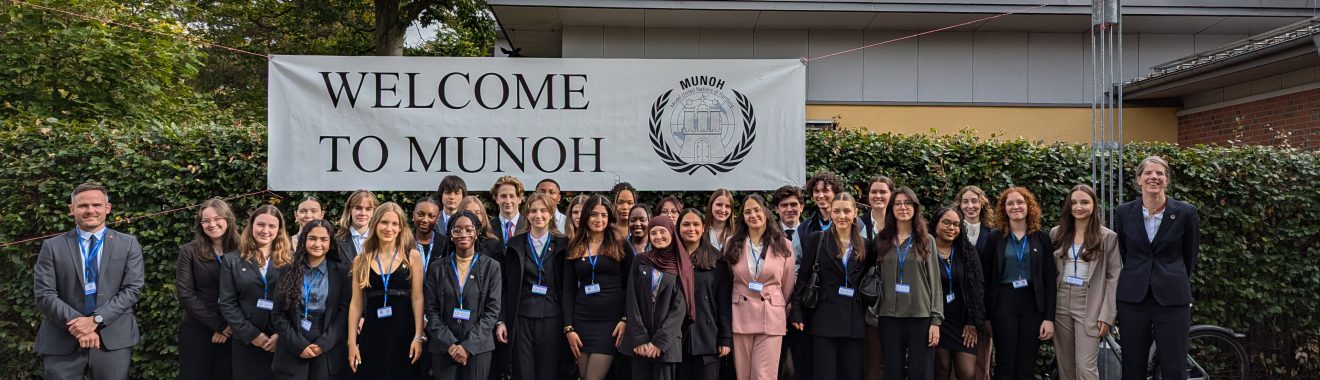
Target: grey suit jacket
(57, 284)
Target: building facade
(1023, 74)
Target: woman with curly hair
(1020, 284)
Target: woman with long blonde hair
(386, 291)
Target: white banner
(403, 123)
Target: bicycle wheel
(1213, 353)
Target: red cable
(805, 59)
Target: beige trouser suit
(1080, 308)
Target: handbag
(809, 296)
(870, 286)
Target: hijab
(672, 259)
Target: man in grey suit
(86, 282)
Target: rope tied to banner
(140, 217)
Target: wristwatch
(98, 319)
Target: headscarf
(672, 259)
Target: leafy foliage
(1258, 272)
(73, 68)
(329, 27)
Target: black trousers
(537, 347)
(799, 348)
(650, 369)
(1016, 324)
(903, 342)
(199, 358)
(251, 362)
(700, 367)
(1170, 326)
(445, 368)
(838, 358)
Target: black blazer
(497, 229)
(712, 293)
(519, 257)
(347, 251)
(812, 224)
(1164, 266)
(481, 295)
(982, 238)
(867, 232)
(331, 340)
(240, 287)
(197, 284)
(486, 246)
(835, 316)
(657, 320)
(1044, 276)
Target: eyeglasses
(462, 231)
(946, 223)
(1015, 203)
(904, 204)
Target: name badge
(902, 288)
(755, 286)
(462, 314)
(539, 289)
(846, 291)
(385, 312)
(1074, 280)
(1020, 283)
(265, 304)
(948, 298)
(306, 325)
(592, 289)
(89, 289)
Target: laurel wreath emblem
(669, 157)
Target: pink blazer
(764, 312)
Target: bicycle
(1213, 353)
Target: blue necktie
(90, 271)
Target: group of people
(611, 288)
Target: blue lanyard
(539, 257)
(307, 292)
(265, 286)
(453, 263)
(89, 257)
(902, 257)
(592, 259)
(218, 260)
(758, 257)
(1076, 249)
(825, 226)
(948, 267)
(847, 254)
(1021, 253)
(426, 254)
(385, 277)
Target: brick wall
(1259, 122)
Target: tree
(67, 67)
(323, 27)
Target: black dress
(384, 342)
(955, 315)
(594, 316)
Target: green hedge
(1258, 274)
